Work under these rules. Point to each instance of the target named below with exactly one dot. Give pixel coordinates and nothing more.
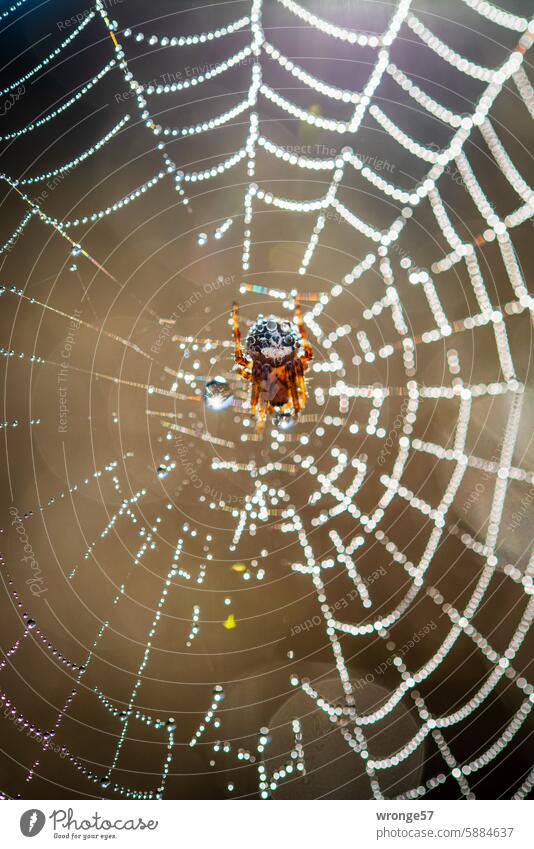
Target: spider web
(398, 312)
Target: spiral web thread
(382, 258)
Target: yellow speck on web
(230, 622)
(239, 567)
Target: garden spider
(274, 365)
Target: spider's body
(272, 341)
(274, 364)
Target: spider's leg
(292, 384)
(238, 354)
(300, 368)
(244, 372)
(308, 353)
(261, 418)
(301, 384)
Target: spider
(274, 365)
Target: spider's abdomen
(272, 340)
